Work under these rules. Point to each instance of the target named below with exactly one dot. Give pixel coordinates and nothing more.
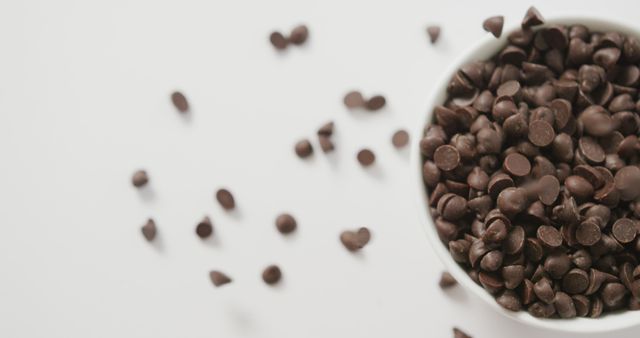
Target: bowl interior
(483, 50)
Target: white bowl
(483, 50)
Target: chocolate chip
(180, 102)
(591, 149)
(325, 143)
(548, 190)
(575, 281)
(299, 35)
(400, 138)
(140, 178)
(452, 207)
(532, 18)
(509, 300)
(447, 280)
(285, 223)
(375, 102)
(512, 201)
(578, 187)
(366, 157)
(564, 305)
(494, 25)
(588, 233)
(517, 165)
(541, 133)
(434, 33)
(218, 278)
(204, 229)
(326, 129)
(446, 157)
(303, 148)
(513, 276)
(624, 230)
(271, 274)
(225, 198)
(354, 99)
(355, 240)
(557, 264)
(278, 40)
(149, 230)
(549, 236)
(457, 333)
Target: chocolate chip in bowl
(528, 177)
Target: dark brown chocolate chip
(355, 240)
(624, 230)
(447, 280)
(578, 187)
(218, 278)
(400, 138)
(564, 305)
(549, 236)
(375, 102)
(582, 304)
(180, 102)
(588, 233)
(285, 223)
(512, 201)
(140, 178)
(446, 157)
(303, 148)
(544, 290)
(299, 35)
(271, 274)
(326, 129)
(452, 207)
(627, 182)
(354, 99)
(325, 143)
(515, 241)
(591, 149)
(225, 198)
(457, 333)
(278, 40)
(509, 300)
(204, 229)
(575, 281)
(541, 133)
(613, 295)
(434, 33)
(494, 25)
(517, 165)
(366, 157)
(513, 275)
(532, 18)
(149, 230)
(557, 264)
(548, 189)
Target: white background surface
(84, 101)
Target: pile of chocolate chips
(532, 165)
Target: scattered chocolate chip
(204, 229)
(457, 333)
(375, 102)
(446, 280)
(271, 274)
(299, 35)
(285, 223)
(149, 230)
(140, 178)
(278, 40)
(303, 148)
(434, 33)
(355, 240)
(225, 198)
(400, 138)
(366, 157)
(180, 102)
(354, 99)
(532, 18)
(218, 278)
(494, 25)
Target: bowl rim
(481, 50)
